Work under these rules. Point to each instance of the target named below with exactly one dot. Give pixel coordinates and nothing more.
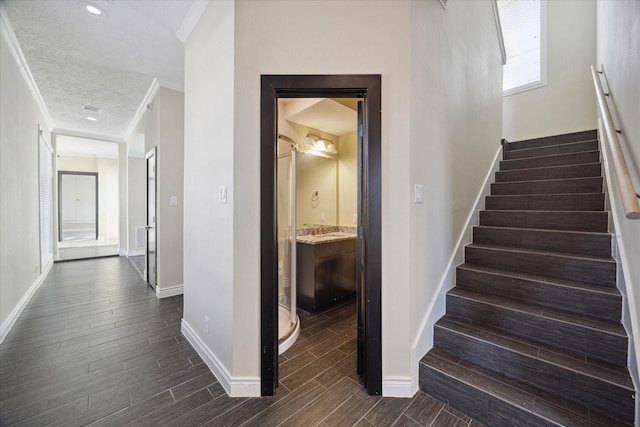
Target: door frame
(368, 87)
(60, 173)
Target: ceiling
(107, 63)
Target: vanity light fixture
(319, 144)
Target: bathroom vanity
(326, 269)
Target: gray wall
(618, 47)
(449, 58)
(20, 116)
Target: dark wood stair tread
(550, 160)
(497, 397)
(614, 328)
(542, 252)
(603, 371)
(544, 279)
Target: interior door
(150, 253)
(360, 255)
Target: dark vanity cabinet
(326, 272)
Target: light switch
(322, 217)
(173, 200)
(222, 194)
(419, 194)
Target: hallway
(96, 347)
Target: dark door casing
(367, 87)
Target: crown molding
(18, 56)
(87, 135)
(191, 19)
(148, 99)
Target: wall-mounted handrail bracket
(628, 194)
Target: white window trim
(543, 57)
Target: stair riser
(546, 161)
(556, 172)
(576, 147)
(551, 202)
(475, 402)
(561, 186)
(578, 339)
(588, 135)
(592, 271)
(571, 242)
(574, 221)
(605, 397)
(573, 300)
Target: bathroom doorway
(365, 218)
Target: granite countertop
(325, 238)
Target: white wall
(455, 132)
(136, 201)
(208, 164)
(170, 168)
(108, 187)
(20, 116)
(567, 103)
(161, 126)
(618, 47)
(231, 47)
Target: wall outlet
(419, 194)
(322, 217)
(222, 194)
(206, 324)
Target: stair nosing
(605, 290)
(547, 156)
(541, 311)
(546, 195)
(503, 335)
(551, 167)
(512, 150)
(545, 230)
(547, 179)
(540, 252)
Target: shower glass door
(288, 327)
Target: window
(523, 28)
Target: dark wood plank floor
(96, 347)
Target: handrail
(628, 194)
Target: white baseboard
(423, 341)
(235, 387)
(17, 310)
(135, 252)
(398, 386)
(170, 291)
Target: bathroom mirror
(317, 190)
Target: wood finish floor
(95, 346)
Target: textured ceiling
(108, 62)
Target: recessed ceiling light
(92, 9)
(93, 119)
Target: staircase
(532, 333)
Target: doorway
(150, 250)
(368, 88)
(77, 206)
